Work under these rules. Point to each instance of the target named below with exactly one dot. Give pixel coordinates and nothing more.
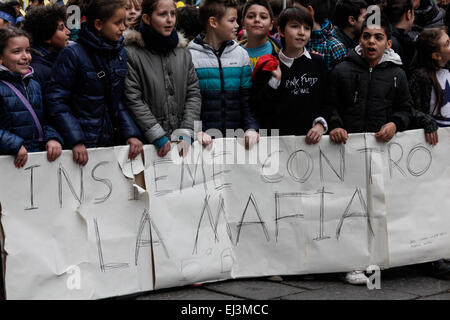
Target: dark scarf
(156, 42)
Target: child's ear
(212, 22)
(388, 44)
(98, 24)
(410, 15)
(146, 19)
(436, 56)
(351, 20)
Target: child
(46, 25)
(162, 90)
(429, 82)
(349, 17)
(401, 15)
(134, 10)
(22, 129)
(290, 98)
(8, 15)
(369, 93)
(323, 39)
(257, 19)
(224, 71)
(188, 22)
(84, 93)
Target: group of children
(131, 78)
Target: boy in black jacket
(290, 98)
(369, 93)
(369, 89)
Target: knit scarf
(156, 42)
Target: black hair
(301, 15)
(263, 3)
(384, 24)
(395, 9)
(41, 22)
(348, 8)
(321, 8)
(214, 8)
(277, 6)
(188, 22)
(8, 33)
(102, 9)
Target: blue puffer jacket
(225, 82)
(75, 95)
(17, 127)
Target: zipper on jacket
(395, 82)
(367, 99)
(355, 97)
(222, 93)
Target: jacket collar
(90, 39)
(389, 56)
(290, 61)
(7, 75)
(134, 37)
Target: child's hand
(21, 157)
(54, 150)
(315, 134)
(183, 147)
(136, 148)
(164, 150)
(432, 138)
(80, 154)
(251, 138)
(339, 135)
(386, 132)
(205, 139)
(277, 73)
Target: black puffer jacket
(363, 99)
(421, 86)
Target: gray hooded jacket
(162, 92)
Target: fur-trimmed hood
(134, 37)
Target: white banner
(282, 208)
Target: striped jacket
(225, 82)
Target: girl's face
(163, 18)
(132, 13)
(16, 56)
(443, 56)
(257, 21)
(60, 38)
(113, 28)
(296, 35)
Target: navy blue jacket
(42, 64)
(17, 127)
(75, 95)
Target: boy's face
(226, 27)
(296, 35)
(60, 38)
(374, 42)
(257, 21)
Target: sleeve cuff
(321, 121)
(159, 143)
(274, 83)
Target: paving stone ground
(406, 283)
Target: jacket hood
(134, 37)
(7, 75)
(389, 56)
(428, 14)
(199, 44)
(41, 57)
(88, 38)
